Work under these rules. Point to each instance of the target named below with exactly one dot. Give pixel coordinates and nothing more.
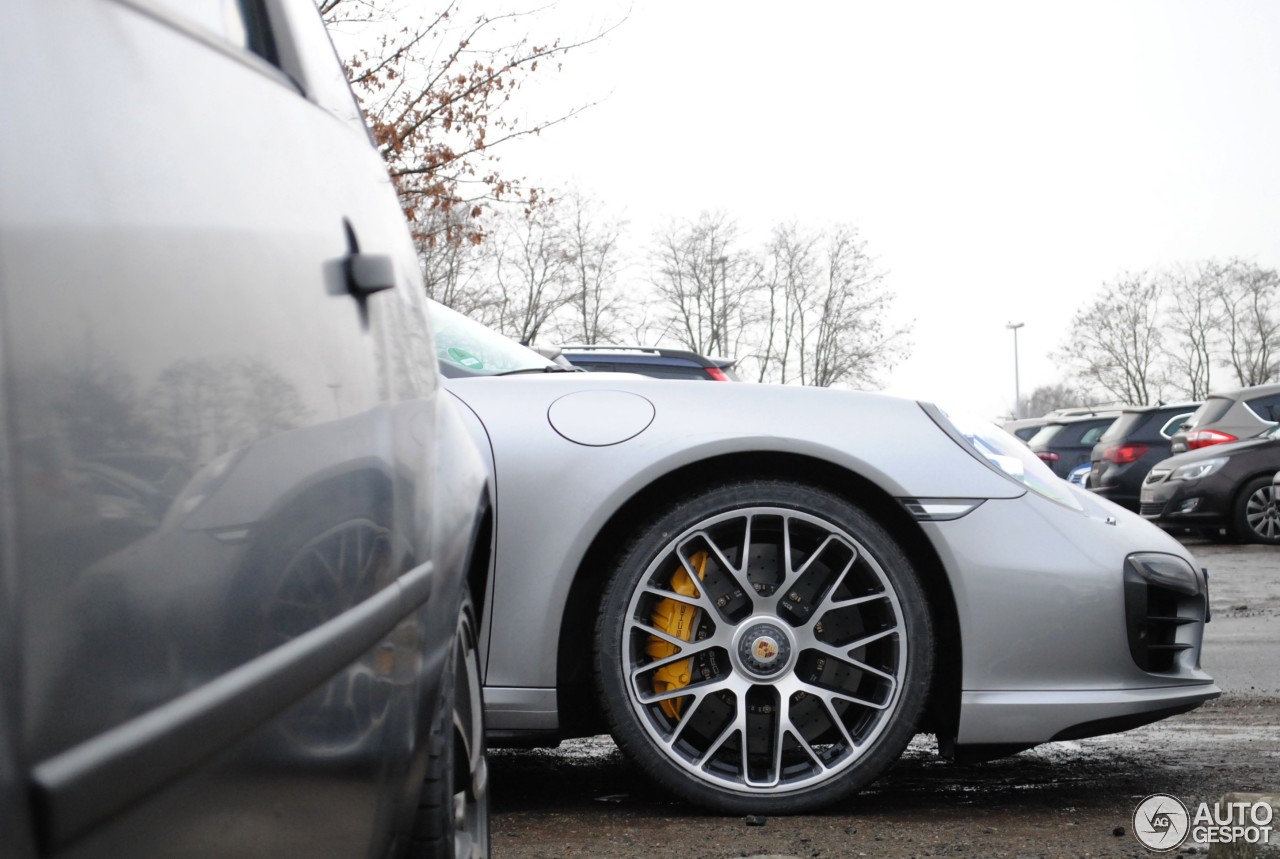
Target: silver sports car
(764, 592)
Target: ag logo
(1161, 822)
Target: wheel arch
(578, 707)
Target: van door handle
(365, 273)
(369, 273)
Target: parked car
(1135, 441)
(1079, 475)
(238, 515)
(1065, 443)
(1229, 416)
(1226, 487)
(1026, 428)
(763, 606)
(647, 361)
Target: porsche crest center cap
(764, 649)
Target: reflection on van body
(237, 513)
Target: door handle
(366, 273)
(369, 273)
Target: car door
(198, 239)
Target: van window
(241, 23)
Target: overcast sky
(1002, 160)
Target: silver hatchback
(1230, 416)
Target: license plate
(1148, 496)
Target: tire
(1255, 518)
(820, 656)
(452, 820)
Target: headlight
(1005, 454)
(1197, 470)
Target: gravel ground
(1071, 799)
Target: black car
(241, 522)
(1137, 440)
(658, 363)
(1224, 488)
(1065, 443)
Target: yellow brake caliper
(676, 619)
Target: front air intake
(1165, 604)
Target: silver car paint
(1038, 586)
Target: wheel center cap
(764, 649)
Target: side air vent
(1165, 604)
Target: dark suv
(1137, 440)
(1065, 443)
(659, 363)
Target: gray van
(237, 510)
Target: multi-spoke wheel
(763, 647)
(453, 814)
(1257, 517)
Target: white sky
(1001, 159)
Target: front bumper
(1048, 630)
(1029, 718)
(1184, 503)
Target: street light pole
(1017, 393)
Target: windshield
(467, 348)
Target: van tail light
(1123, 454)
(1048, 456)
(1207, 438)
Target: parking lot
(1061, 799)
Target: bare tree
(827, 311)
(595, 312)
(791, 271)
(436, 88)
(1247, 297)
(1195, 319)
(705, 283)
(1116, 340)
(846, 335)
(533, 271)
(454, 272)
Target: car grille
(1155, 475)
(1151, 509)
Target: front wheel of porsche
(763, 647)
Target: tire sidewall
(434, 822)
(1242, 526)
(632, 566)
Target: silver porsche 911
(764, 592)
